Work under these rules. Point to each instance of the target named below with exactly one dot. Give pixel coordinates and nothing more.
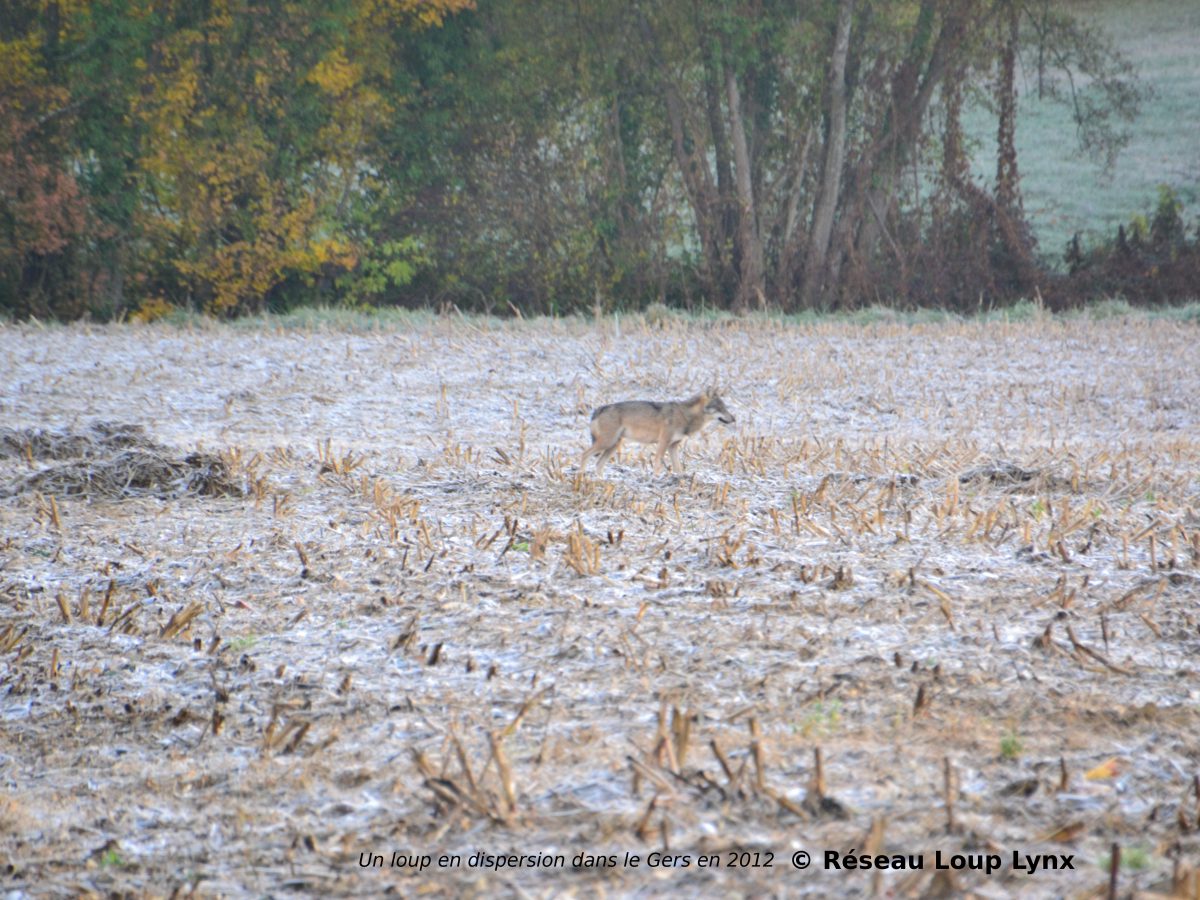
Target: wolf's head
(716, 407)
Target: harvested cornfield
(337, 613)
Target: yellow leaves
(24, 85)
(243, 138)
(167, 104)
(253, 143)
(152, 309)
(333, 252)
(234, 217)
(66, 9)
(20, 65)
(432, 13)
(357, 106)
(335, 74)
(179, 94)
(277, 239)
(218, 26)
(71, 15)
(421, 13)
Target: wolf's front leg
(676, 462)
(661, 449)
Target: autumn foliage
(236, 156)
(211, 155)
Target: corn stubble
(436, 632)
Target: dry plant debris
(114, 460)
(99, 438)
(334, 594)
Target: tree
(43, 212)
(222, 152)
(236, 156)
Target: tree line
(234, 156)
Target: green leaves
(382, 269)
(225, 158)
(543, 156)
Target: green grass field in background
(1064, 190)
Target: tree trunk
(750, 280)
(912, 91)
(713, 89)
(1007, 195)
(701, 193)
(831, 165)
(790, 239)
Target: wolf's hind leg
(606, 452)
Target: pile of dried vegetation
(114, 461)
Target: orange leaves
(238, 161)
(1110, 768)
(41, 206)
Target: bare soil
(274, 602)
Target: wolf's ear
(713, 390)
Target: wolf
(649, 422)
